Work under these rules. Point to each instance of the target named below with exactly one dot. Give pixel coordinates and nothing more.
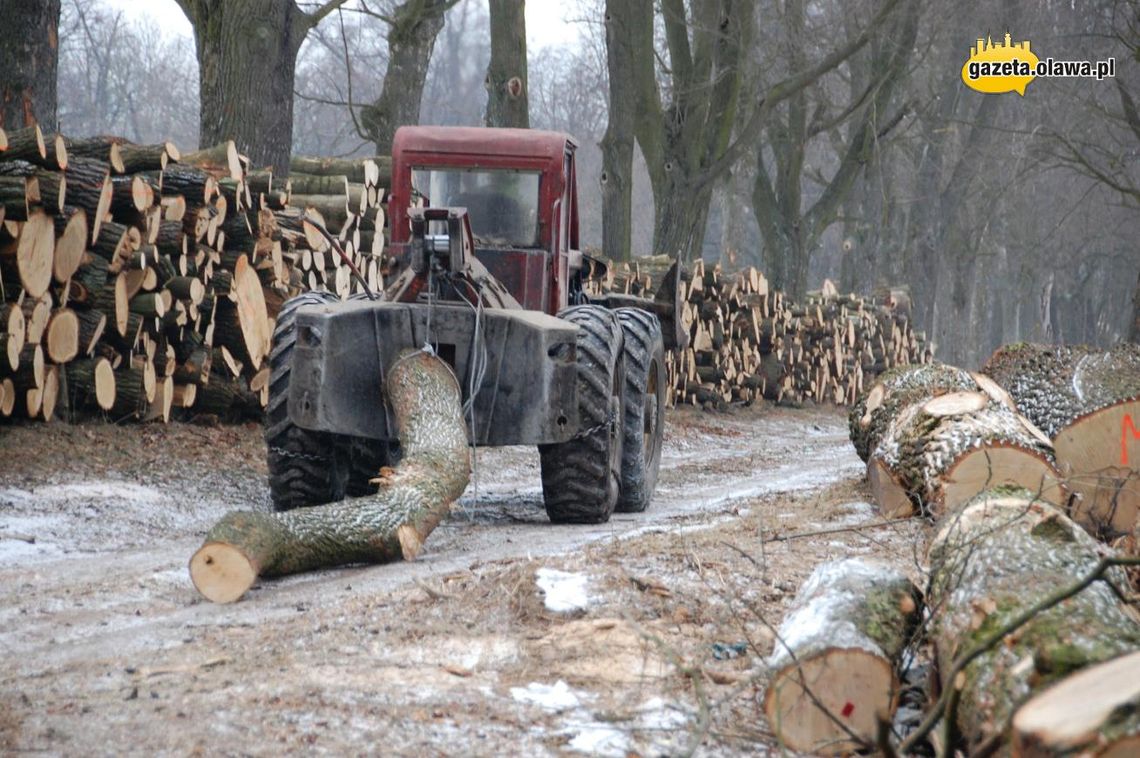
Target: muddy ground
(107, 649)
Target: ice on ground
(856, 512)
(555, 697)
(564, 591)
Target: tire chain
(611, 417)
(306, 456)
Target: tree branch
(315, 17)
(783, 90)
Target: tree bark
(412, 31)
(387, 526)
(29, 55)
(506, 82)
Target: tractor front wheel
(581, 477)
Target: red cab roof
(474, 140)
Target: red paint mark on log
(1126, 426)
(848, 709)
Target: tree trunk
(411, 39)
(247, 57)
(993, 559)
(1134, 332)
(622, 20)
(387, 526)
(836, 655)
(506, 82)
(29, 54)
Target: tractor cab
(519, 190)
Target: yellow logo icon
(997, 68)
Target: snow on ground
(564, 592)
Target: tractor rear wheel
(581, 477)
(305, 467)
(643, 421)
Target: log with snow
(837, 653)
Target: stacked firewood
(135, 280)
(749, 341)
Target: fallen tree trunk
(389, 525)
(991, 561)
(837, 654)
(1094, 711)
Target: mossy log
(424, 397)
(895, 389)
(991, 560)
(939, 453)
(1093, 712)
(91, 383)
(837, 654)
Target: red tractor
(485, 270)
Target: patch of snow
(102, 490)
(595, 738)
(856, 512)
(658, 714)
(564, 591)
(555, 697)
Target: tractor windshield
(502, 204)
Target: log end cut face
(1099, 453)
(851, 686)
(221, 572)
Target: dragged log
(425, 401)
(993, 559)
(939, 453)
(837, 655)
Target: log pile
(137, 281)
(748, 341)
(1088, 401)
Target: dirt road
(108, 649)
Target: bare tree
(412, 29)
(29, 50)
(789, 229)
(247, 54)
(507, 95)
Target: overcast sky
(546, 23)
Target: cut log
(220, 160)
(61, 338)
(89, 188)
(895, 389)
(1099, 454)
(91, 383)
(30, 261)
(243, 322)
(836, 656)
(392, 524)
(71, 242)
(7, 397)
(1096, 711)
(946, 450)
(991, 560)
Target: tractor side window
(502, 205)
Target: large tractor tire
(643, 421)
(581, 477)
(305, 467)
